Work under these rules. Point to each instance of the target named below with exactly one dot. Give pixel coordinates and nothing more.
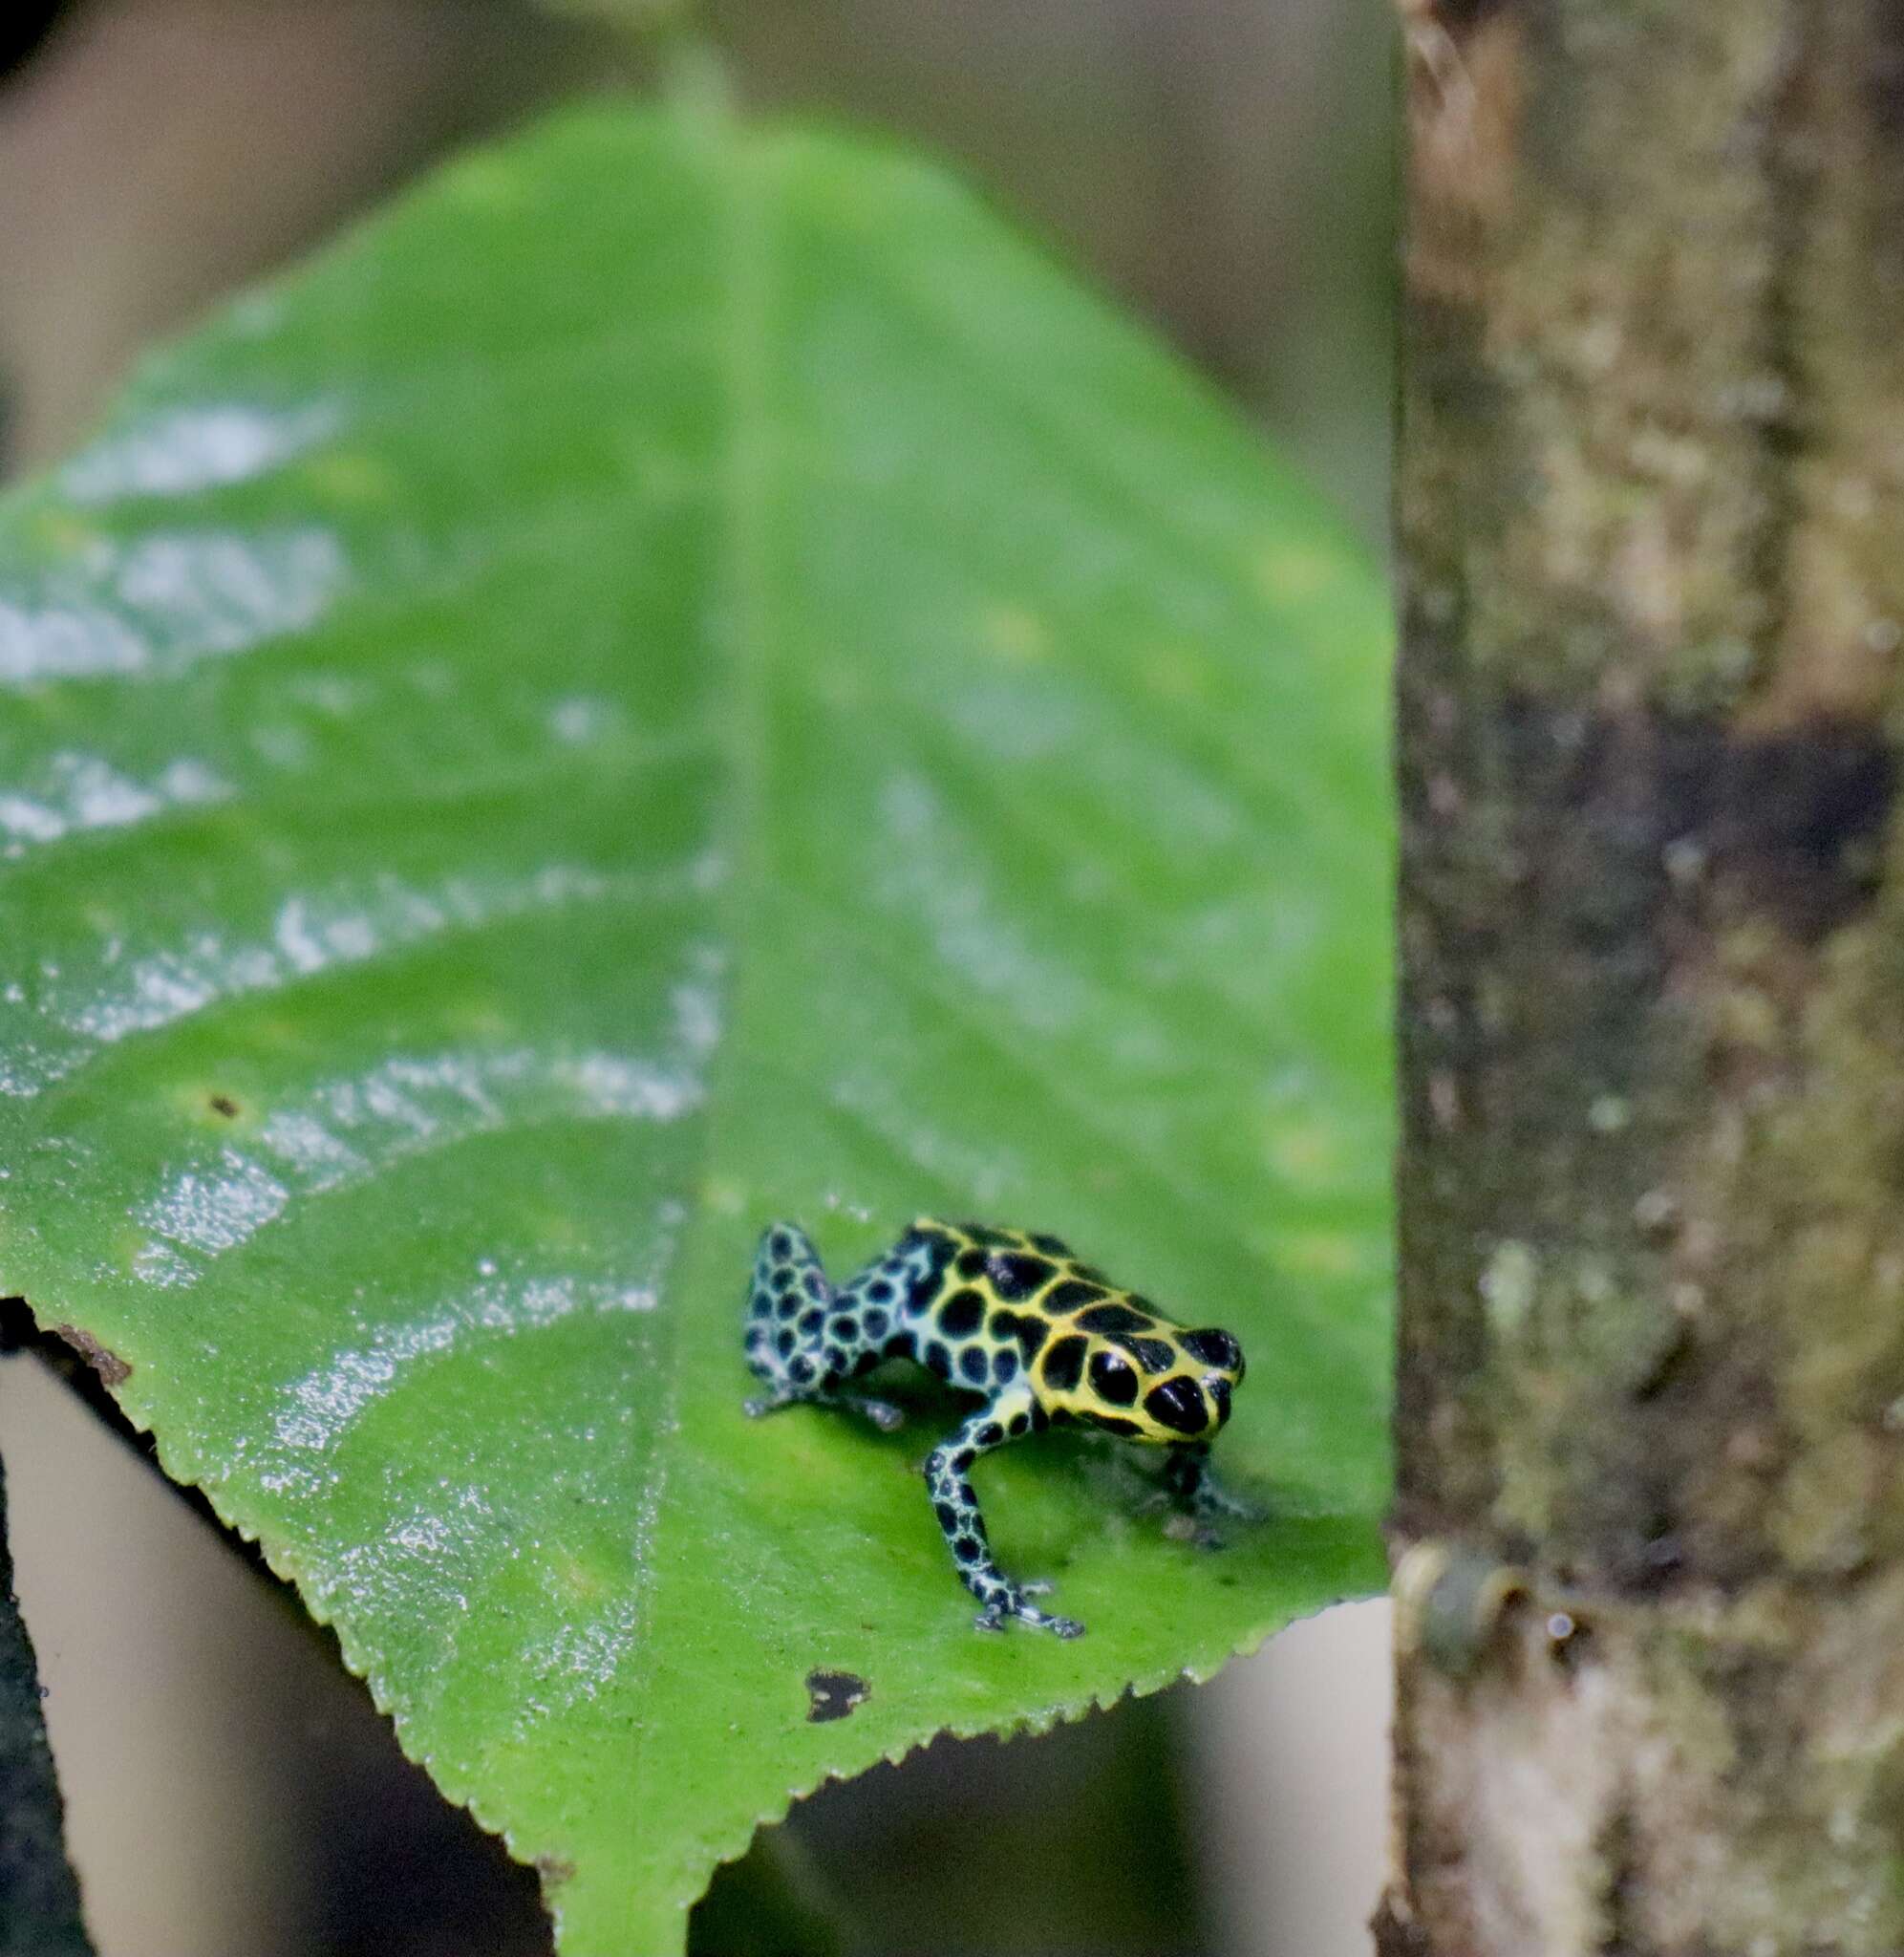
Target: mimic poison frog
(1018, 1319)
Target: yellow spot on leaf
(1311, 1156)
(349, 475)
(723, 1197)
(555, 1229)
(1288, 574)
(575, 1578)
(60, 533)
(1322, 1253)
(487, 184)
(480, 1019)
(214, 1102)
(1017, 636)
(1176, 672)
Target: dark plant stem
(39, 1895)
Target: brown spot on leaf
(552, 1871)
(106, 1362)
(224, 1105)
(834, 1694)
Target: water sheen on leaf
(682, 676)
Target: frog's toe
(1038, 1586)
(1219, 1501)
(1016, 1602)
(996, 1617)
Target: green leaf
(679, 677)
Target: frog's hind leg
(788, 1304)
(803, 1341)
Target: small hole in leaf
(834, 1694)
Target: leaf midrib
(746, 480)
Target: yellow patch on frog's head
(1117, 1367)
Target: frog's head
(1158, 1385)
(1218, 1358)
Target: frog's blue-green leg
(804, 1341)
(1193, 1489)
(1008, 1415)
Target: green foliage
(680, 677)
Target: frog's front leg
(802, 1344)
(1005, 1418)
(1193, 1491)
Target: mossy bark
(1650, 1396)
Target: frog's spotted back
(1005, 1301)
(1015, 1318)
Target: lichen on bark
(1650, 502)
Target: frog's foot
(1014, 1600)
(1188, 1528)
(1212, 1501)
(1193, 1491)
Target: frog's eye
(1211, 1346)
(1178, 1405)
(1112, 1378)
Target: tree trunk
(1649, 1410)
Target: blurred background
(1224, 167)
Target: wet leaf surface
(679, 678)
